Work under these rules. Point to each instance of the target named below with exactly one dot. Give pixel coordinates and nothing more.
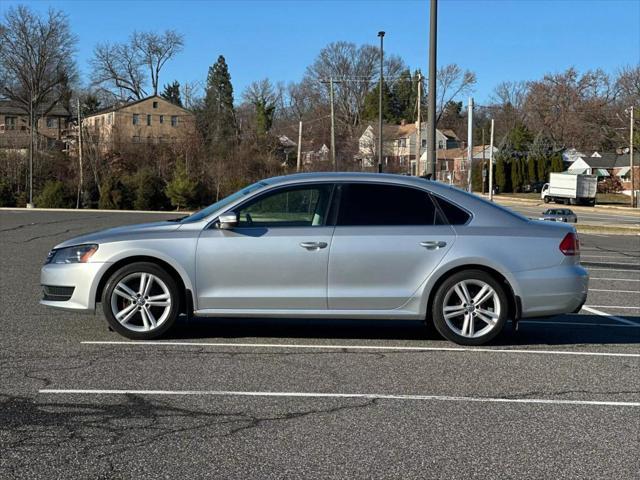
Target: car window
(377, 204)
(205, 212)
(454, 214)
(304, 206)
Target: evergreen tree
(520, 138)
(181, 190)
(503, 165)
(404, 96)
(264, 116)
(557, 165)
(171, 92)
(539, 153)
(218, 116)
(148, 190)
(532, 168)
(371, 103)
(516, 175)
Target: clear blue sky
(498, 39)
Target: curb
(91, 210)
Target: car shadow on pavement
(562, 330)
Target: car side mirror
(228, 220)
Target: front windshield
(205, 212)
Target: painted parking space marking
(399, 348)
(616, 291)
(366, 396)
(616, 279)
(592, 309)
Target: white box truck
(571, 189)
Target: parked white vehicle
(571, 189)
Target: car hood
(121, 233)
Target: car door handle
(433, 245)
(313, 245)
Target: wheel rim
(471, 308)
(141, 302)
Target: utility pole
(299, 146)
(81, 182)
(381, 35)
(333, 127)
(419, 133)
(484, 165)
(470, 142)
(31, 146)
(633, 180)
(431, 120)
(491, 164)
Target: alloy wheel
(141, 302)
(471, 308)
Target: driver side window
(302, 206)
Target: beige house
(152, 120)
(400, 148)
(52, 124)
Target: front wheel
(470, 308)
(140, 301)
(546, 199)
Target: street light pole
(30, 204)
(633, 181)
(381, 35)
(431, 120)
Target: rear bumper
(82, 277)
(552, 291)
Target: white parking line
(617, 279)
(591, 309)
(615, 306)
(627, 270)
(367, 396)
(617, 291)
(399, 348)
(579, 324)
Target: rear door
(388, 239)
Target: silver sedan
(559, 215)
(332, 245)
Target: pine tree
(218, 117)
(181, 190)
(539, 153)
(404, 95)
(516, 175)
(503, 165)
(532, 168)
(557, 165)
(172, 93)
(371, 103)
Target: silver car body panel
(363, 272)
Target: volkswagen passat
(336, 245)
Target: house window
(52, 122)
(109, 118)
(10, 123)
(148, 120)
(440, 145)
(161, 118)
(155, 104)
(136, 139)
(136, 121)
(424, 143)
(402, 142)
(174, 120)
(401, 159)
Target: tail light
(570, 245)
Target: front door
(276, 257)
(388, 239)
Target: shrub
(7, 198)
(114, 194)
(55, 194)
(148, 191)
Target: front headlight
(75, 254)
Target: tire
(487, 318)
(123, 296)
(546, 199)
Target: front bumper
(83, 277)
(552, 291)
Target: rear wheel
(470, 308)
(140, 301)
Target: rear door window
(363, 204)
(454, 214)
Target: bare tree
(356, 69)
(36, 58)
(120, 67)
(155, 50)
(452, 81)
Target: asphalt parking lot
(222, 398)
